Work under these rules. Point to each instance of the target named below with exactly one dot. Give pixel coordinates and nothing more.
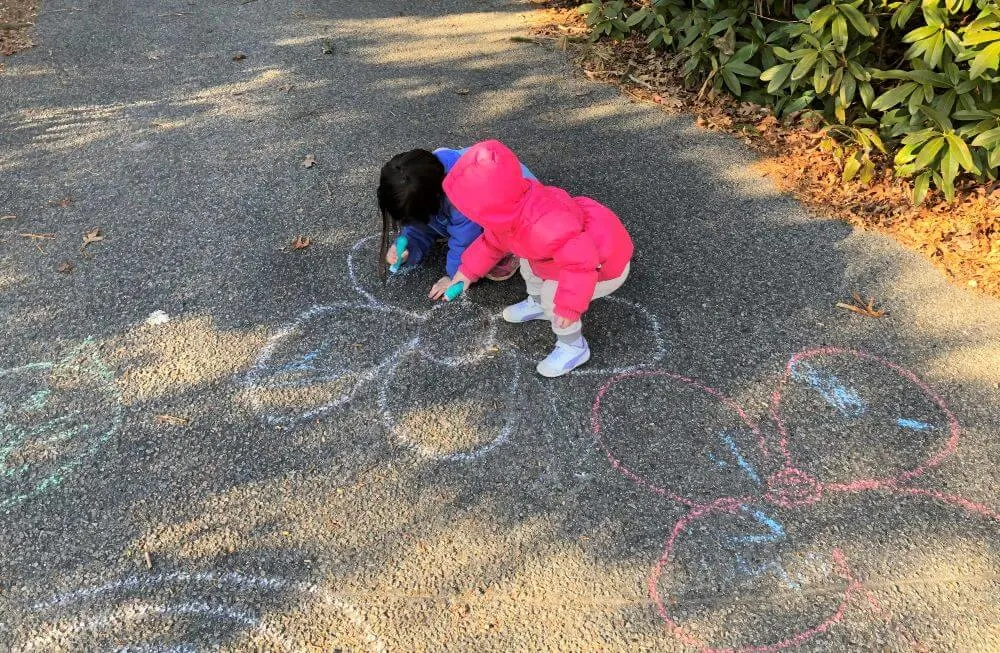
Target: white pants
(545, 290)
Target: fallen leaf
(301, 242)
(63, 203)
(462, 91)
(35, 236)
(173, 420)
(862, 307)
(327, 46)
(309, 161)
(8, 217)
(92, 236)
(65, 267)
(239, 56)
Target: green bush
(916, 77)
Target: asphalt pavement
(213, 440)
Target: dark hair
(409, 192)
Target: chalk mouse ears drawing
(761, 506)
(54, 415)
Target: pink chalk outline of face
(789, 487)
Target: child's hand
(437, 290)
(561, 322)
(390, 255)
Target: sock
(574, 339)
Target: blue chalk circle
(41, 439)
(844, 399)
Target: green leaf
(637, 17)
(858, 71)
(743, 69)
(586, 8)
(839, 30)
(821, 75)
(988, 58)
(920, 186)
(920, 34)
(893, 96)
(994, 159)
(935, 51)
(805, 65)
(858, 20)
(851, 167)
(928, 77)
(785, 54)
(933, 15)
(928, 152)
(819, 19)
(977, 114)
(776, 77)
(732, 82)
(978, 38)
(988, 138)
(847, 89)
(867, 94)
(917, 137)
(941, 119)
(960, 151)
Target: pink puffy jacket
(573, 240)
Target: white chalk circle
(53, 416)
(325, 357)
(193, 611)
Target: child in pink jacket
(572, 249)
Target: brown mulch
(17, 17)
(961, 238)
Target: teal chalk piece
(401, 244)
(454, 290)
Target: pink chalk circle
(856, 485)
(662, 569)
(637, 478)
(793, 488)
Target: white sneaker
(525, 310)
(564, 358)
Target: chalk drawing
(913, 424)
(844, 399)
(786, 487)
(399, 335)
(222, 604)
(41, 439)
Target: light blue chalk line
(913, 424)
(740, 460)
(845, 400)
(777, 532)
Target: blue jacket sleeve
(461, 232)
(421, 240)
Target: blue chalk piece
(454, 290)
(401, 244)
(913, 424)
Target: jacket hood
(487, 185)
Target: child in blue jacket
(411, 199)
